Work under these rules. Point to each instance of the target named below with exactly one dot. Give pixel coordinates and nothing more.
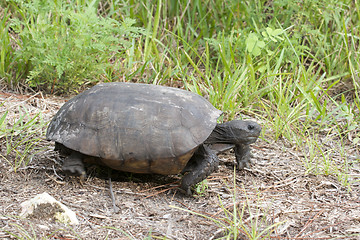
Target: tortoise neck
(222, 133)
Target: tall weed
(68, 45)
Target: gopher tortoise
(144, 128)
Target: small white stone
(45, 206)
(43, 227)
(167, 216)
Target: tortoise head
(235, 132)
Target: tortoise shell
(133, 127)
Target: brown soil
(275, 192)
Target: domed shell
(135, 127)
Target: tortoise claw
(186, 192)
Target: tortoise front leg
(200, 166)
(243, 156)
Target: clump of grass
(320, 159)
(5, 47)
(22, 139)
(22, 233)
(11, 68)
(234, 224)
(26, 230)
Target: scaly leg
(243, 156)
(201, 165)
(115, 208)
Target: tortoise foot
(73, 165)
(243, 156)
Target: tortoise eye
(251, 127)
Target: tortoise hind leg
(73, 165)
(201, 165)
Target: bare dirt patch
(275, 190)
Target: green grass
(22, 233)
(21, 138)
(27, 230)
(240, 221)
(8, 60)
